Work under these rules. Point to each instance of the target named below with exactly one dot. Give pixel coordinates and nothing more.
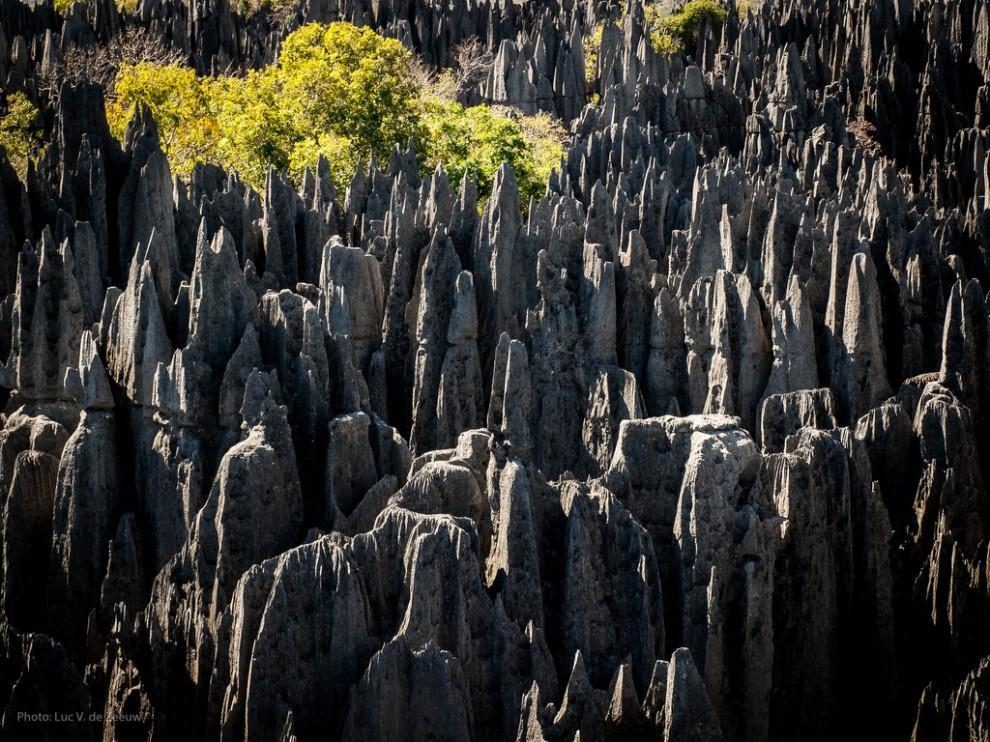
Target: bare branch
(472, 62)
(100, 64)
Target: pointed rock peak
(439, 241)
(270, 178)
(975, 298)
(308, 186)
(635, 254)
(249, 345)
(359, 183)
(246, 357)
(202, 238)
(515, 417)
(440, 179)
(795, 292)
(865, 382)
(530, 729)
(688, 712)
(625, 703)
(323, 169)
(656, 691)
(514, 559)
(272, 415)
(223, 244)
(861, 272)
(259, 391)
(505, 189)
(497, 402)
(65, 252)
(47, 245)
(578, 684)
(531, 630)
(440, 198)
(288, 732)
(578, 696)
(88, 383)
(600, 223)
(467, 194)
(953, 314)
(252, 278)
(166, 392)
(463, 325)
(142, 126)
(138, 340)
(245, 360)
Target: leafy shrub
(591, 45)
(124, 6)
(471, 140)
(336, 90)
(678, 32)
(478, 139)
(180, 102)
(256, 127)
(339, 91)
(349, 82)
(19, 133)
(545, 137)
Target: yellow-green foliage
(124, 6)
(339, 91)
(180, 102)
(591, 44)
(349, 82)
(545, 137)
(19, 135)
(247, 7)
(677, 32)
(471, 140)
(478, 139)
(256, 128)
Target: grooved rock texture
(693, 447)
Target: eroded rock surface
(692, 447)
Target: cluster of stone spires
(691, 448)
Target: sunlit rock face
(691, 447)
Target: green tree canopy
(679, 31)
(336, 90)
(349, 82)
(20, 136)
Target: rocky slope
(692, 448)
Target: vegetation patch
(124, 6)
(591, 45)
(669, 33)
(678, 32)
(20, 133)
(339, 91)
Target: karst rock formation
(694, 447)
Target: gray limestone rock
(782, 415)
(688, 714)
(27, 537)
(245, 488)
